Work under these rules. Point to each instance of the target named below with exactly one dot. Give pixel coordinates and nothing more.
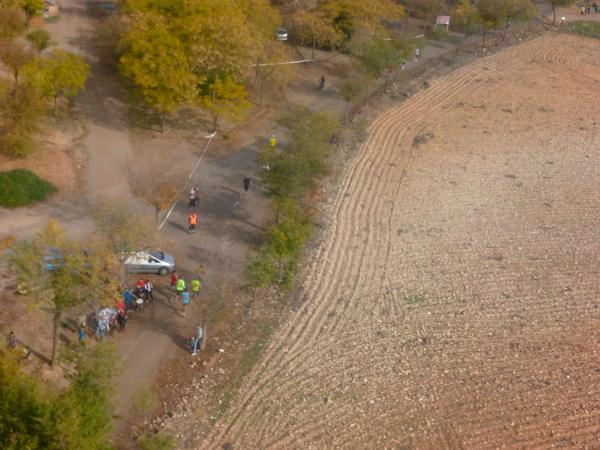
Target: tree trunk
(553, 13)
(157, 215)
(55, 104)
(55, 325)
(347, 112)
(313, 46)
(256, 73)
(215, 122)
(162, 121)
(505, 29)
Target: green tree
(350, 92)
(158, 63)
(23, 408)
(12, 20)
(35, 416)
(158, 441)
(378, 56)
(40, 39)
(32, 8)
(82, 414)
(21, 110)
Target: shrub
(20, 187)
(587, 28)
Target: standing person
(273, 141)
(192, 220)
(149, 287)
(195, 286)
(417, 53)
(321, 82)
(173, 279)
(82, 335)
(122, 320)
(180, 287)
(197, 341)
(128, 299)
(12, 340)
(246, 184)
(185, 300)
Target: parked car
(282, 34)
(152, 261)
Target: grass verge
(587, 28)
(21, 187)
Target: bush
(158, 441)
(20, 187)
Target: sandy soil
(454, 300)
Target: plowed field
(454, 301)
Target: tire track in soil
(373, 169)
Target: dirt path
(454, 300)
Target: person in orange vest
(192, 221)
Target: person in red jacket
(173, 279)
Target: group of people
(108, 319)
(184, 295)
(588, 10)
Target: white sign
(442, 20)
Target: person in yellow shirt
(273, 141)
(195, 286)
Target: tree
(63, 74)
(34, 415)
(517, 11)
(14, 55)
(40, 39)
(312, 28)
(378, 56)
(426, 10)
(350, 92)
(60, 273)
(558, 3)
(32, 8)
(467, 16)
(21, 109)
(158, 63)
(346, 15)
(121, 228)
(222, 96)
(12, 20)
(153, 179)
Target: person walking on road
(185, 300)
(192, 198)
(321, 82)
(180, 286)
(192, 220)
(197, 341)
(195, 286)
(122, 320)
(246, 184)
(173, 279)
(273, 141)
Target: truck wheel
(163, 271)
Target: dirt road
(454, 300)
